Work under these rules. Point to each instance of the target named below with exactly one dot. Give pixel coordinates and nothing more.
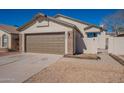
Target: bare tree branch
(114, 22)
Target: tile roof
(57, 15)
(90, 26)
(8, 29)
(48, 17)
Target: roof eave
(89, 27)
(60, 15)
(26, 25)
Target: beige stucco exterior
(9, 39)
(93, 29)
(12, 41)
(81, 26)
(49, 27)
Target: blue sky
(21, 16)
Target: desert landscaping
(72, 70)
(63, 48)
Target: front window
(5, 41)
(92, 34)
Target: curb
(117, 59)
(83, 57)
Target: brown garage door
(53, 43)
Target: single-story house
(57, 35)
(120, 34)
(116, 34)
(9, 38)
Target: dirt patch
(84, 56)
(77, 70)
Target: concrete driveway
(18, 68)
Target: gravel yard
(81, 70)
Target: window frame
(92, 34)
(4, 41)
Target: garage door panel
(46, 43)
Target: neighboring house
(57, 35)
(116, 34)
(113, 34)
(121, 34)
(9, 38)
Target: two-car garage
(47, 35)
(53, 43)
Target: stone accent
(70, 42)
(3, 50)
(14, 42)
(20, 42)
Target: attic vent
(43, 24)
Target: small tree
(114, 21)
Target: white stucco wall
(81, 26)
(116, 45)
(9, 39)
(102, 40)
(91, 45)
